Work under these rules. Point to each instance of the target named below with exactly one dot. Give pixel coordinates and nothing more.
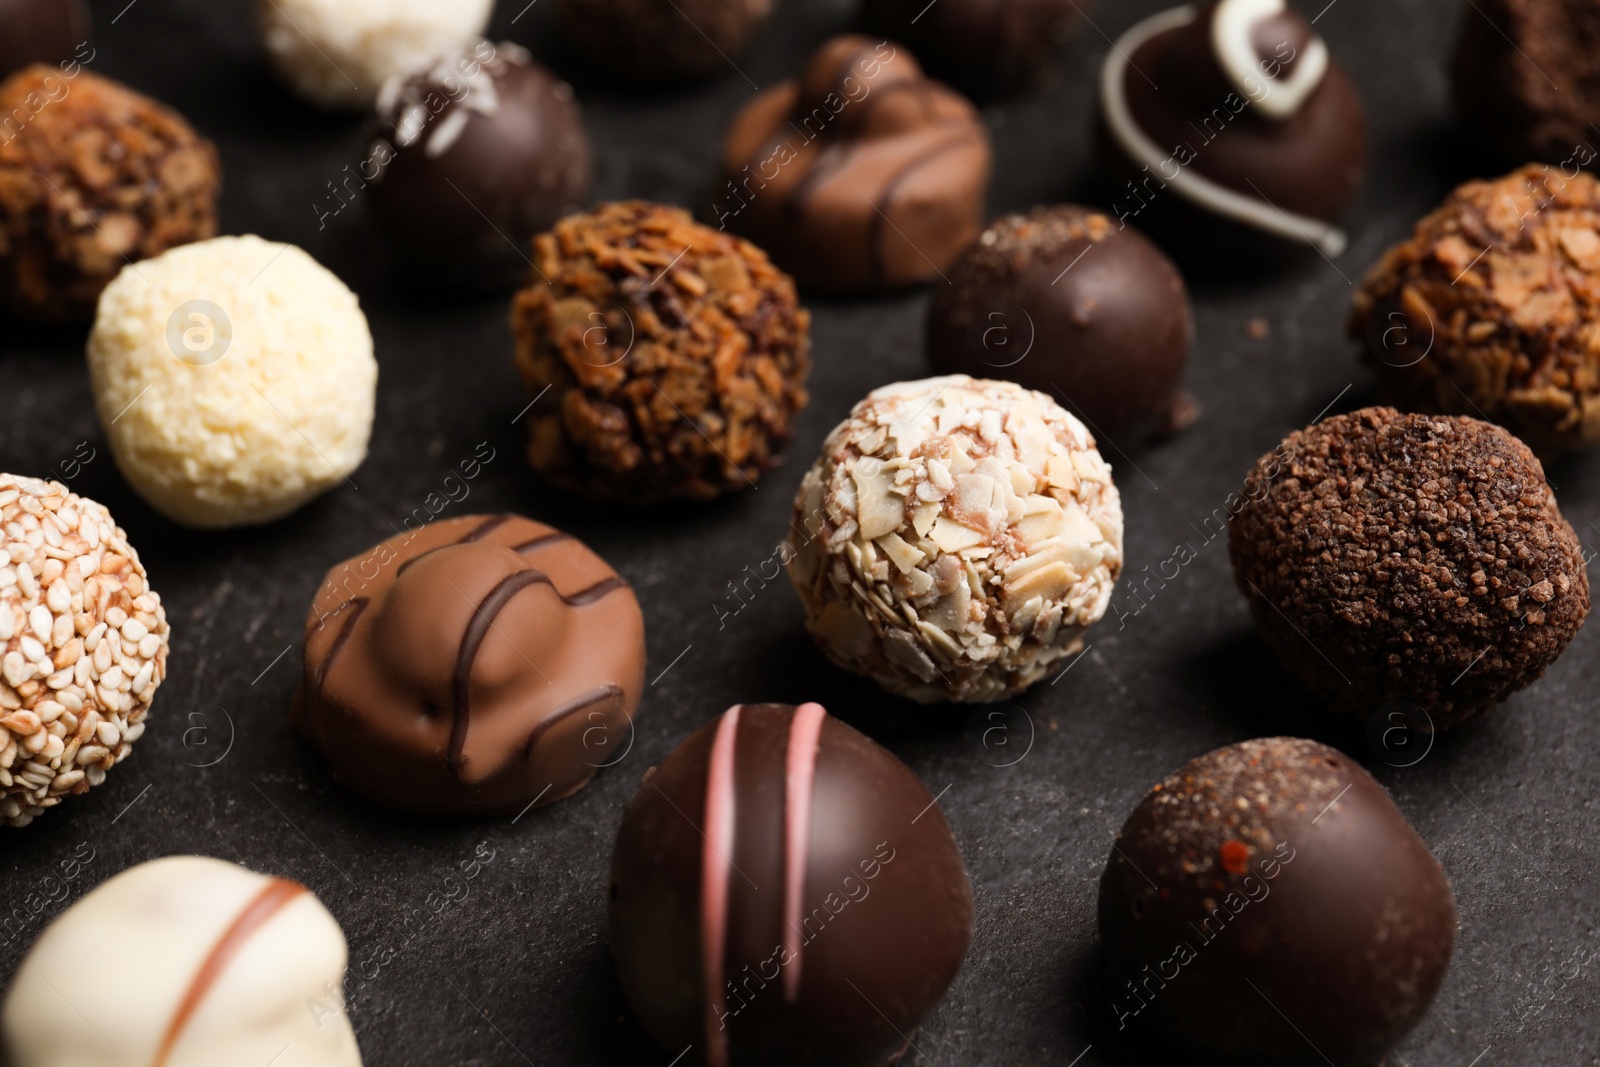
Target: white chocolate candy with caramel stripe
(184, 962)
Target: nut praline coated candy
(785, 891)
(477, 665)
(40, 31)
(1419, 558)
(1267, 898)
(183, 962)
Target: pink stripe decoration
(716, 868)
(805, 732)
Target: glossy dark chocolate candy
(1269, 904)
(784, 891)
(985, 47)
(41, 31)
(474, 665)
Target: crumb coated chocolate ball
(1064, 301)
(475, 155)
(84, 642)
(860, 175)
(646, 42)
(1231, 123)
(41, 31)
(955, 539)
(93, 176)
(676, 356)
(473, 666)
(1407, 557)
(784, 891)
(986, 47)
(1492, 307)
(1268, 899)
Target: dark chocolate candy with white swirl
(861, 175)
(476, 665)
(786, 892)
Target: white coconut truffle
(235, 380)
(955, 539)
(184, 962)
(83, 646)
(338, 53)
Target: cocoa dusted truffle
(1065, 301)
(861, 175)
(1230, 123)
(478, 666)
(676, 356)
(986, 47)
(93, 176)
(1492, 307)
(1407, 557)
(41, 31)
(648, 42)
(785, 892)
(1268, 904)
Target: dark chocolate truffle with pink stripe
(785, 891)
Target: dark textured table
(518, 970)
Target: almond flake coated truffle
(1408, 557)
(1492, 308)
(675, 356)
(235, 379)
(955, 539)
(93, 176)
(83, 646)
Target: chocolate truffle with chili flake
(478, 666)
(785, 892)
(1408, 557)
(1269, 898)
(675, 356)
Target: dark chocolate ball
(647, 42)
(474, 156)
(1232, 123)
(1269, 904)
(784, 891)
(986, 47)
(41, 31)
(1418, 558)
(1065, 301)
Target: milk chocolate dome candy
(785, 892)
(861, 175)
(184, 962)
(478, 666)
(1255, 138)
(83, 646)
(1267, 903)
(955, 539)
(1408, 557)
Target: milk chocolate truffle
(84, 643)
(986, 47)
(955, 539)
(649, 42)
(784, 891)
(476, 154)
(676, 355)
(92, 177)
(1065, 301)
(184, 962)
(861, 175)
(1255, 139)
(41, 31)
(477, 666)
(1492, 307)
(1407, 557)
(1268, 903)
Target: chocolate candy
(479, 665)
(647, 42)
(986, 47)
(1065, 301)
(41, 31)
(862, 175)
(476, 155)
(784, 891)
(1269, 904)
(1255, 138)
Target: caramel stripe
(541, 541)
(359, 604)
(273, 897)
(875, 236)
(571, 707)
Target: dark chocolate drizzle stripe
(359, 604)
(571, 707)
(263, 906)
(485, 528)
(886, 198)
(553, 537)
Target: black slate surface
(517, 970)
